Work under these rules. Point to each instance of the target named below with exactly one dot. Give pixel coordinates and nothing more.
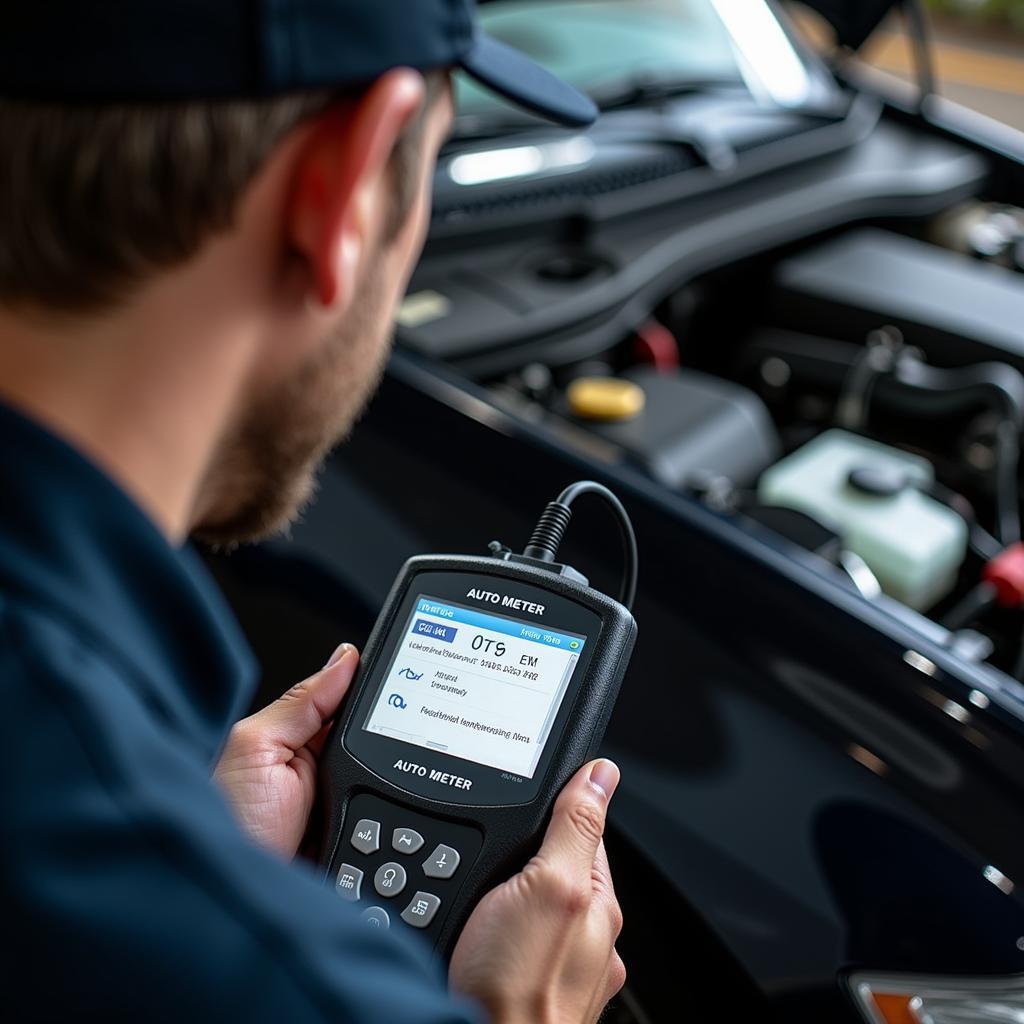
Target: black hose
(922, 390)
(938, 391)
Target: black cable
(1007, 483)
(876, 360)
(630, 556)
(981, 542)
(1018, 668)
(978, 600)
(547, 534)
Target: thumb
(577, 822)
(301, 712)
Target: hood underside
(853, 20)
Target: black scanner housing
(507, 815)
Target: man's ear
(341, 193)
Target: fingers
(546, 937)
(317, 743)
(577, 822)
(299, 715)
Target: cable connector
(550, 529)
(1005, 573)
(548, 533)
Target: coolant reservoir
(869, 493)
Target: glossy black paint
(797, 799)
(801, 796)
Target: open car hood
(853, 20)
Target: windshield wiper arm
(640, 89)
(619, 93)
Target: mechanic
(210, 211)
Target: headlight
(919, 999)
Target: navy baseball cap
(153, 50)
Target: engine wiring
(879, 378)
(936, 391)
(932, 390)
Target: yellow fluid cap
(605, 398)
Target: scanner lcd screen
(475, 684)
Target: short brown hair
(94, 199)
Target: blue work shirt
(129, 892)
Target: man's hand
(541, 947)
(268, 768)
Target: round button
(389, 879)
(376, 917)
(607, 399)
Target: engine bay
(842, 382)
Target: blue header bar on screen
(497, 624)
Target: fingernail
(339, 652)
(605, 776)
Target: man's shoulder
(77, 719)
(65, 701)
(43, 653)
(125, 866)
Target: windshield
(599, 45)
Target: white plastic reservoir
(914, 544)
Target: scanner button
(442, 862)
(366, 835)
(406, 840)
(376, 917)
(421, 910)
(390, 879)
(349, 882)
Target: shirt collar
(76, 547)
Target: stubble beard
(266, 472)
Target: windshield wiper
(641, 88)
(632, 90)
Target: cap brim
(513, 75)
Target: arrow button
(442, 863)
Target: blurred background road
(979, 54)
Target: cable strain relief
(547, 534)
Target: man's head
(100, 203)
(197, 290)
(359, 207)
